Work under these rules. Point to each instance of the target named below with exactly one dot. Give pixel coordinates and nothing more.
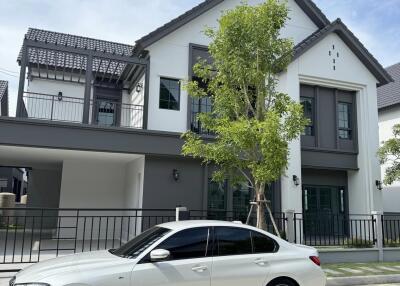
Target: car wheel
(282, 282)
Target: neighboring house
(389, 115)
(99, 123)
(3, 98)
(12, 181)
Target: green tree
(389, 153)
(252, 122)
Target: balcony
(106, 113)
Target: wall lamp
(176, 174)
(139, 87)
(60, 96)
(296, 180)
(379, 185)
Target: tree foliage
(389, 154)
(252, 122)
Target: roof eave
(307, 6)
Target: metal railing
(70, 109)
(241, 216)
(352, 231)
(28, 235)
(391, 230)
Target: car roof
(178, 225)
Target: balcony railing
(62, 108)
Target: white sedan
(192, 253)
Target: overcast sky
(375, 23)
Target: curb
(363, 280)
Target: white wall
(316, 67)
(134, 172)
(40, 106)
(134, 196)
(170, 58)
(391, 194)
(92, 184)
(100, 184)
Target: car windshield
(140, 243)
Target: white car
(192, 253)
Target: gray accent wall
(325, 150)
(162, 191)
(57, 135)
(44, 188)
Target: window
(141, 242)
(200, 105)
(170, 94)
(241, 199)
(233, 241)
(187, 244)
(263, 243)
(217, 195)
(308, 108)
(344, 120)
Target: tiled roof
(3, 88)
(74, 61)
(389, 94)
(78, 42)
(354, 44)
(308, 6)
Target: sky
(375, 23)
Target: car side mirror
(158, 255)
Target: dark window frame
(311, 125)
(349, 129)
(169, 101)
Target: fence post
(377, 215)
(182, 213)
(290, 233)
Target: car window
(140, 243)
(187, 244)
(263, 243)
(232, 241)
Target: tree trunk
(261, 219)
(262, 205)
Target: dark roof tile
(389, 95)
(3, 88)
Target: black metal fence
(63, 108)
(280, 218)
(352, 231)
(29, 235)
(391, 230)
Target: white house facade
(102, 121)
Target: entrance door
(106, 113)
(107, 106)
(324, 209)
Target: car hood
(67, 265)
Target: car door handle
(199, 268)
(261, 261)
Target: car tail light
(316, 260)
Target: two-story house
(389, 116)
(99, 123)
